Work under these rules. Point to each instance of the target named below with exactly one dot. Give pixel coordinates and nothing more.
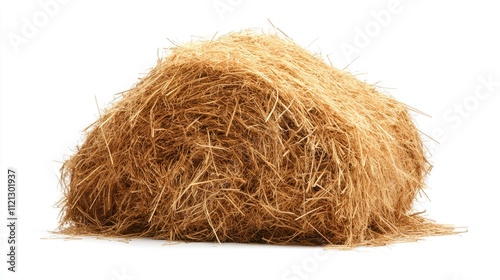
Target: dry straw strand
(249, 138)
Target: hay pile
(249, 138)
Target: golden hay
(249, 138)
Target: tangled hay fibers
(249, 138)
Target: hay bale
(249, 138)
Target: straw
(249, 138)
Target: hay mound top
(249, 138)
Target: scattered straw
(249, 138)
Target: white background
(436, 56)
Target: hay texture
(249, 138)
